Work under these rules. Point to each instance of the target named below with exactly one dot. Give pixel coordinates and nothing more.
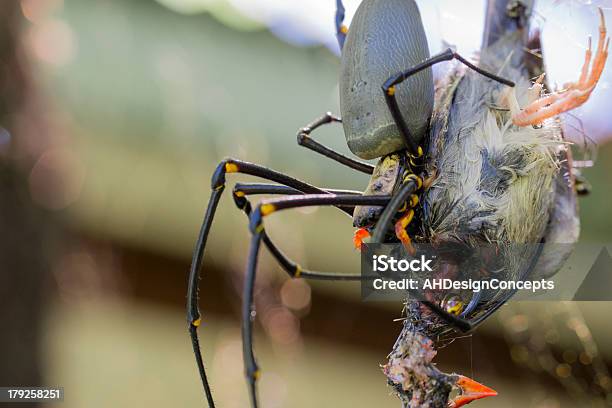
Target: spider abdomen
(385, 38)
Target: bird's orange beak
(470, 391)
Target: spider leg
(476, 320)
(256, 227)
(293, 269)
(259, 188)
(244, 189)
(390, 84)
(218, 185)
(304, 139)
(341, 29)
(384, 224)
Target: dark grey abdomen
(385, 37)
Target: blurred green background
(144, 102)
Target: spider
(387, 104)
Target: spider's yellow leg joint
(453, 305)
(391, 90)
(414, 200)
(419, 153)
(267, 209)
(417, 180)
(454, 310)
(298, 271)
(231, 167)
(197, 322)
(403, 208)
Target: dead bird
(502, 174)
(499, 176)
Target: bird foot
(575, 93)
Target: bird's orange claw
(470, 391)
(359, 236)
(575, 93)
